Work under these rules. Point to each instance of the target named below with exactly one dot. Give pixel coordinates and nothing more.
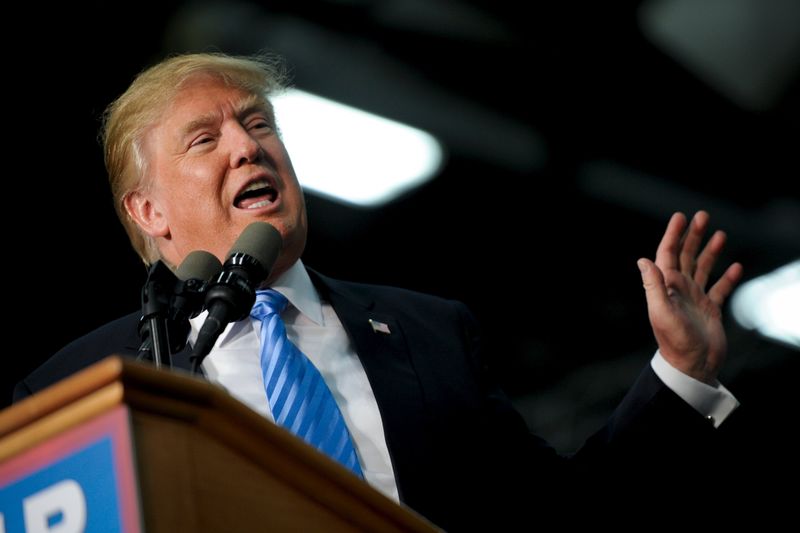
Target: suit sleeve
(653, 440)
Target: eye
(258, 121)
(260, 124)
(202, 139)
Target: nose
(244, 148)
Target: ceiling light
(771, 304)
(350, 155)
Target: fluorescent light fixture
(748, 50)
(350, 155)
(771, 304)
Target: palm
(687, 320)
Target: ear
(146, 213)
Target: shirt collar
(298, 289)
(295, 284)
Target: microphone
(194, 276)
(231, 296)
(169, 300)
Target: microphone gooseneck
(169, 299)
(232, 294)
(194, 276)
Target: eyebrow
(251, 104)
(255, 103)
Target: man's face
(216, 164)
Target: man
(194, 157)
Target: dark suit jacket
(462, 456)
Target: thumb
(654, 286)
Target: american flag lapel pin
(379, 327)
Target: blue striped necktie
(298, 396)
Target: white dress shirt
(713, 402)
(312, 325)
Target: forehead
(206, 96)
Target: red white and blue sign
(81, 480)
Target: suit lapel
(181, 360)
(386, 361)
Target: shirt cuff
(715, 403)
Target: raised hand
(687, 319)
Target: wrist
(695, 368)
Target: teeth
(262, 203)
(260, 184)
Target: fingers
(667, 253)
(723, 287)
(654, 286)
(691, 243)
(678, 251)
(708, 257)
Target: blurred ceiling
(572, 131)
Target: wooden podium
(186, 457)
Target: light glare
(771, 304)
(350, 155)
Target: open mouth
(257, 194)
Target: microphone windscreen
(199, 264)
(261, 241)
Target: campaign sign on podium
(79, 481)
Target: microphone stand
(156, 295)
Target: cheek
(193, 189)
(276, 150)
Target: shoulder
(117, 337)
(434, 329)
(386, 298)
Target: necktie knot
(268, 302)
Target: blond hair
(129, 117)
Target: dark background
(570, 137)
